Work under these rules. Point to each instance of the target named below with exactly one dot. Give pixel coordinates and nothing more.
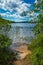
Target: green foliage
(3, 22)
(38, 28)
(4, 25)
(37, 57)
(4, 41)
(6, 56)
(37, 50)
(37, 44)
(38, 7)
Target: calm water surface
(21, 32)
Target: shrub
(6, 56)
(37, 48)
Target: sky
(13, 9)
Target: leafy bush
(6, 57)
(37, 48)
(4, 41)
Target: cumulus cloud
(35, 1)
(13, 5)
(14, 8)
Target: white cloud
(35, 1)
(13, 4)
(2, 14)
(16, 7)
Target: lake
(21, 32)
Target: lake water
(21, 32)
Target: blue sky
(13, 9)
(29, 1)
